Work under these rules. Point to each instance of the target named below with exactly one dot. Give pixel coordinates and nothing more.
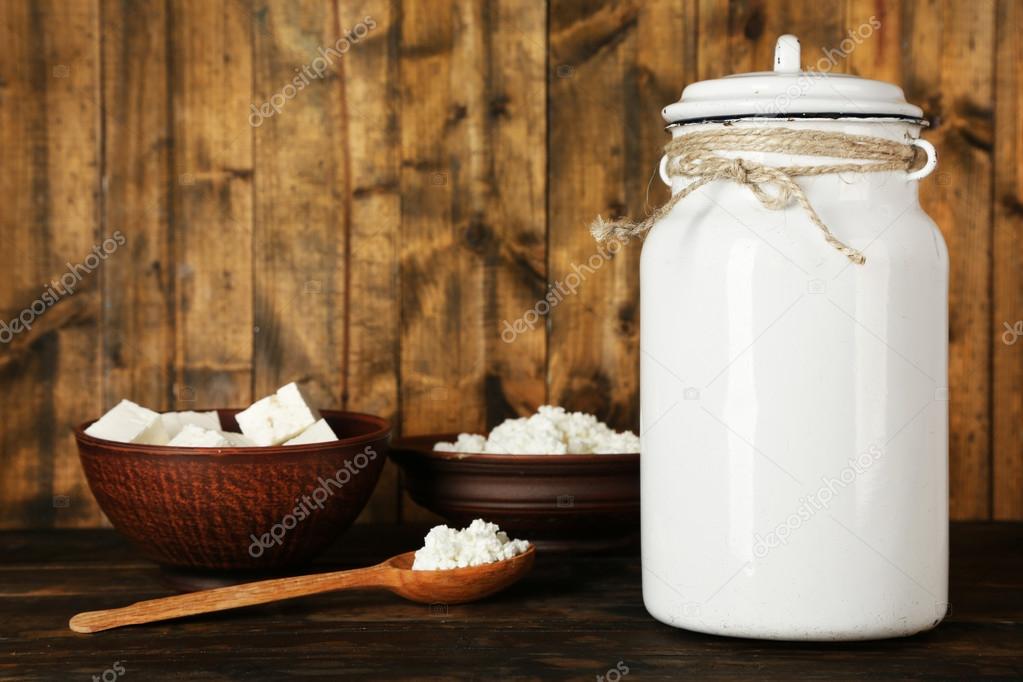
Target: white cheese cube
(237, 440)
(278, 417)
(127, 422)
(192, 436)
(320, 432)
(173, 422)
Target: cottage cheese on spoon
(480, 543)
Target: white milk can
(794, 346)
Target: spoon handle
(223, 598)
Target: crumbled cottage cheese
(480, 543)
(551, 431)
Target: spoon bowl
(449, 586)
(457, 585)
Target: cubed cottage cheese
(551, 431)
(127, 422)
(192, 436)
(237, 440)
(282, 417)
(320, 432)
(480, 543)
(277, 418)
(173, 422)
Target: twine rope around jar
(695, 155)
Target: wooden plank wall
(372, 237)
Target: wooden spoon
(454, 586)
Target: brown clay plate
(559, 502)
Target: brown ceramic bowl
(558, 502)
(237, 508)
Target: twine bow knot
(695, 155)
(738, 171)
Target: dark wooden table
(574, 619)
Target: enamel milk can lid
(790, 92)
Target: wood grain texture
(211, 86)
(50, 181)
(614, 67)
(879, 55)
(592, 48)
(139, 281)
(298, 276)
(509, 228)
(473, 191)
(572, 618)
(442, 346)
(956, 72)
(23, 476)
(1007, 275)
(372, 207)
(662, 28)
(73, 187)
(377, 236)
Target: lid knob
(786, 54)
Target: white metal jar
(794, 404)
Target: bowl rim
(415, 444)
(382, 430)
